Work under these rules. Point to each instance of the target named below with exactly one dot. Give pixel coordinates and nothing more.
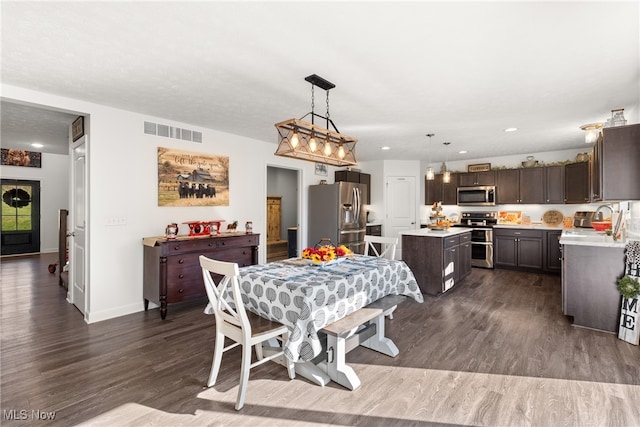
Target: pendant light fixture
(430, 176)
(307, 141)
(446, 177)
(591, 132)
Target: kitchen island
(591, 265)
(439, 259)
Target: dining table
(306, 297)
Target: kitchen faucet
(597, 212)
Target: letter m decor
(629, 321)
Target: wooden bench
(363, 327)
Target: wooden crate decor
(480, 167)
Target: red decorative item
(203, 228)
(601, 225)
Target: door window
(20, 216)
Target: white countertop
(530, 227)
(590, 237)
(426, 232)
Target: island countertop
(427, 232)
(586, 237)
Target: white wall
(54, 193)
(123, 182)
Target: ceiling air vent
(172, 132)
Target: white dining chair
(388, 249)
(244, 327)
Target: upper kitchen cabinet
(616, 164)
(554, 184)
(576, 183)
(353, 176)
(520, 185)
(436, 190)
(469, 179)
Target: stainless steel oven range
(481, 224)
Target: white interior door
(401, 207)
(78, 258)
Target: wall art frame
(187, 178)
(77, 128)
(12, 157)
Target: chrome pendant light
(307, 141)
(430, 175)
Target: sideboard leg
(146, 304)
(163, 307)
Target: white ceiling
(461, 70)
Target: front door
(401, 206)
(20, 216)
(78, 259)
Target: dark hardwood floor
(496, 350)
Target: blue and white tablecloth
(306, 298)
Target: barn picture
(192, 179)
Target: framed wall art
(186, 178)
(321, 169)
(77, 128)
(11, 157)
(480, 167)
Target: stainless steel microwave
(484, 195)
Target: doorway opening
(282, 205)
(20, 216)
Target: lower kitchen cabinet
(552, 251)
(518, 248)
(437, 262)
(589, 293)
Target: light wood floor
(496, 350)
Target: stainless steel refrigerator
(336, 212)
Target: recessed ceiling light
(385, 148)
(37, 145)
(511, 129)
(462, 152)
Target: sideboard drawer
(242, 241)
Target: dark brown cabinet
(518, 248)
(615, 159)
(520, 186)
(436, 190)
(554, 184)
(438, 263)
(576, 183)
(172, 270)
(552, 251)
(469, 179)
(531, 185)
(507, 186)
(353, 176)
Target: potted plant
(629, 288)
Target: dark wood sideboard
(172, 270)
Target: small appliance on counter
(583, 219)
